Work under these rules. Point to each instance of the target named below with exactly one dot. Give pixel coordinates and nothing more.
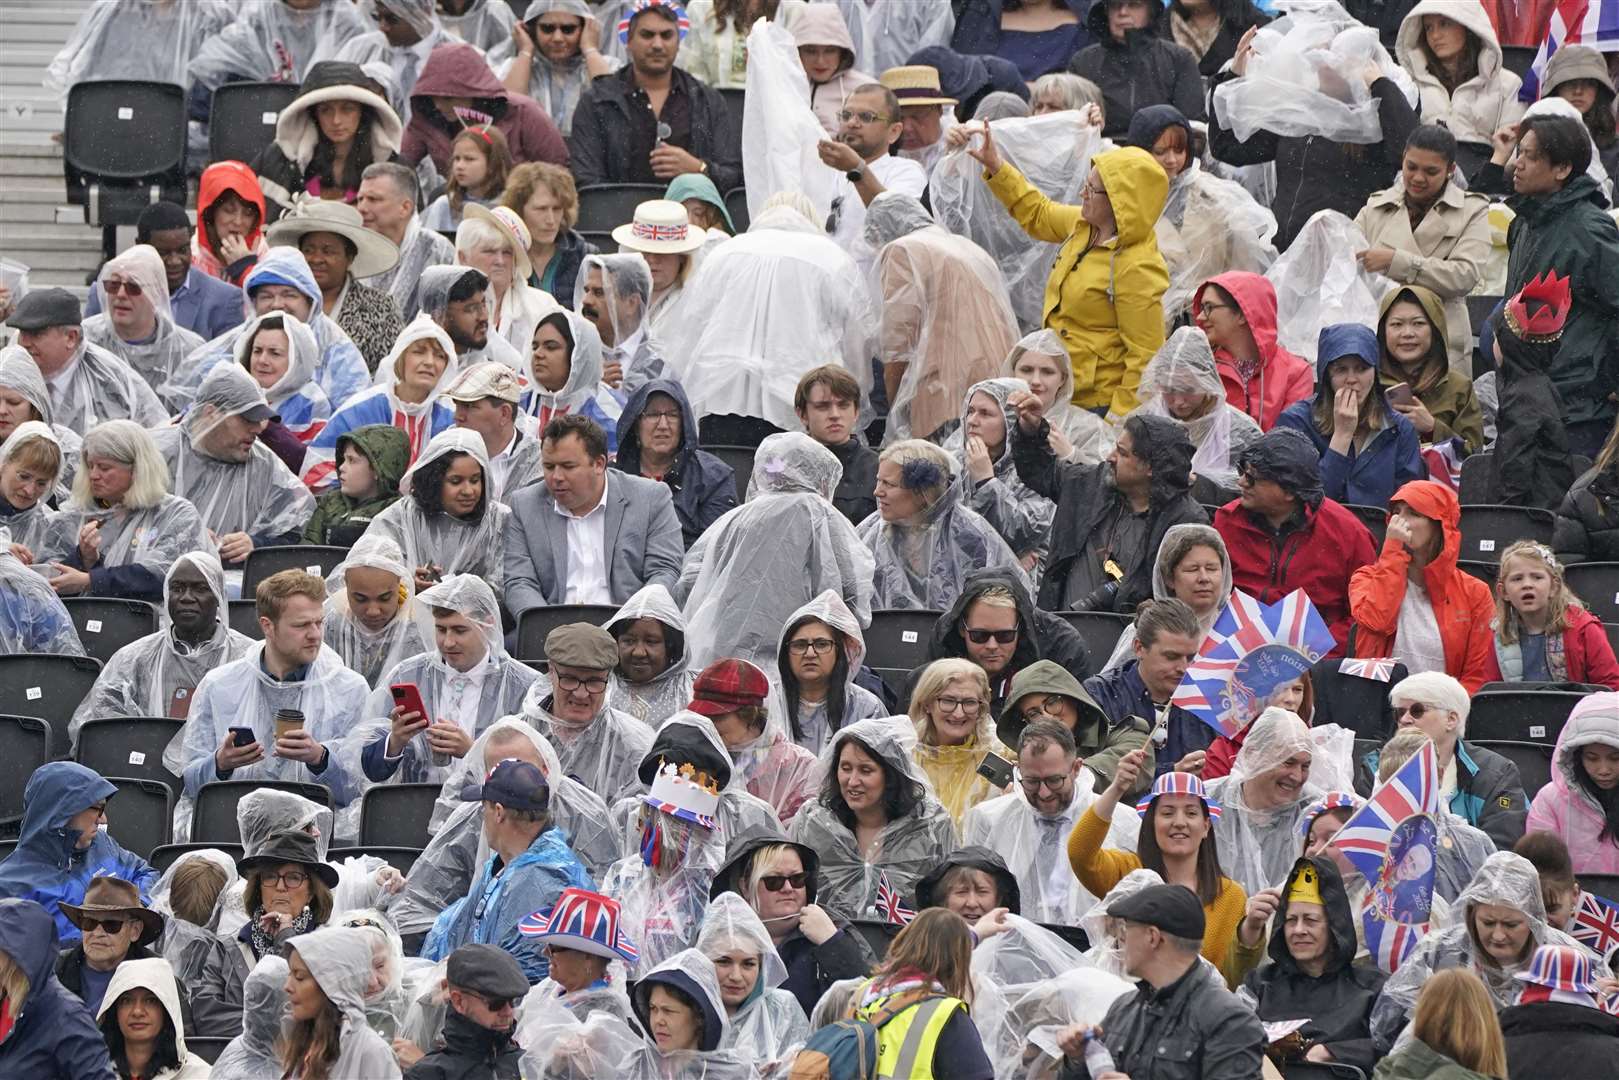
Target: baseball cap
(516, 784)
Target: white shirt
(458, 698)
(587, 553)
(1417, 643)
(896, 174)
(624, 351)
(500, 465)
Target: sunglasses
(111, 926)
(557, 28)
(776, 882)
(1416, 709)
(114, 287)
(979, 637)
(496, 1004)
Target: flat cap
(41, 309)
(582, 645)
(486, 969)
(1174, 909)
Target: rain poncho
(760, 562)
(156, 976)
(561, 1047)
(636, 351)
(953, 770)
(814, 724)
(271, 41)
(433, 297)
(1319, 284)
(243, 694)
(444, 871)
(153, 675)
(456, 545)
(1258, 847)
(923, 562)
(33, 618)
(776, 769)
(498, 682)
(258, 496)
(1505, 880)
(484, 23)
(1567, 807)
(583, 391)
(764, 308)
(769, 1020)
(555, 86)
(1053, 152)
(945, 314)
(662, 696)
(299, 402)
(28, 527)
(1022, 517)
(340, 370)
(170, 34)
(779, 128)
(340, 961)
(46, 866)
(603, 754)
(98, 386)
(385, 993)
(1035, 847)
(1304, 78)
(1176, 539)
(161, 355)
(1185, 365)
(20, 375)
(252, 1055)
(1083, 429)
(907, 848)
(209, 967)
(382, 405)
(372, 653)
(885, 35)
(715, 1058)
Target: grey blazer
(642, 534)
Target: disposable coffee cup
(288, 720)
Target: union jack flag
(1574, 22)
(1596, 925)
(1380, 669)
(1388, 943)
(891, 905)
(1364, 839)
(1252, 649)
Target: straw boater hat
(661, 227)
(108, 897)
(373, 252)
(513, 228)
(917, 84)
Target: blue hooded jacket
(703, 486)
(1393, 454)
(46, 867)
(54, 1038)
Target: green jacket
(1571, 233)
(387, 448)
(1100, 743)
(1446, 394)
(1418, 1061)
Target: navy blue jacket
(1121, 693)
(704, 487)
(54, 1038)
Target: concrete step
(32, 213)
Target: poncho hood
(152, 974)
(303, 354)
(977, 858)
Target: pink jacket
(1562, 807)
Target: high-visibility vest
(908, 1039)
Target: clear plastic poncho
(484, 23)
(28, 527)
(908, 847)
(1103, 932)
(253, 1055)
(1163, 587)
(584, 381)
(259, 495)
(296, 397)
(1505, 880)
(563, 1047)
(455, 545)
(779, 129)
(1083, 429)
(160, 893)
(769, 1020)
(372, 653)
(1318, 283)
(271, 41)
(33, 618)
(557, 87)
(241, 694)
(340, 962)
(146, 677)
(944, 313)
(385, 991)
(815, 724)
(1185, 365)
(763, 560)
(151, 537)
(775, 769)
(923, 561)
(1304, 78)
(1210, 225)
(99, 386)
(499, 681)
(953, 770)
(662, 696)
(1005, 969)
(604, 753)
(722, 1063)
(1022, 517)
(170, 34)
(19, 374)
(433, 297)
(159, 357)
(1054, 153)
(764, 308)
(627, 273)
(1259, 847)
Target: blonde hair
(763, 859)
(13, 984)
(524, 179)
(995, 596)
(1399, 750)
(127, 443)
(37, 453)
(475, 234)
(1558, 600)
(933, 681)
(907, 451)
(1455, 1017)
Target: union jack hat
(675, 11)
(585, 921)
(1332, 800)
(1557, 967)
(1178, 783)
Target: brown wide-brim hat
(110, 897)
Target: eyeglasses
(1032, 784)
(496, 1004)
(670, 417)
(1416, 709)
(557, 28)
(114, 286)
(818, 646)
(573, 682)
(1208, 306)
(864, 116)
(1047, 707)
(1090, 191)
(292, 879)
(775, 882)
(979, 637)
(966, 706)
(111, 926)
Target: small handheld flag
(891, 905)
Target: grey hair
(402, 177)
(475, 234)
(1072, 91)
(1437, 689)
(1186, 945)
(907, 451)
(127, 443)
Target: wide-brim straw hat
(661, 227)
(917, 84)
(373, 253)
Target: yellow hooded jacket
(1106, 302)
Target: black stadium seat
(604, 207)
(168, 854)
(141, 815)
(317, 559)
(1301, 1070)
(536, 623)
(736, 202)
(123, 149)
(241, 119)
(1101, 631)
(244, 619)
(1534, 760)
(397, 815)
(129, 746)
(48, 686)
(1597, 586)
(1603, 885)
(1520, 715)
(1488, 530)
(106, 625)
(740, 459)
(213, 816)
(206, 1047)
(1375, 518)
(25, 745)
(899, 638)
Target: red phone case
(407, 697)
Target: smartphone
(996, 769)
(243, 736)
(407, 697)
(1400, 394)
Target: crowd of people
(1037, 308)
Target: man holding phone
(437, 702)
